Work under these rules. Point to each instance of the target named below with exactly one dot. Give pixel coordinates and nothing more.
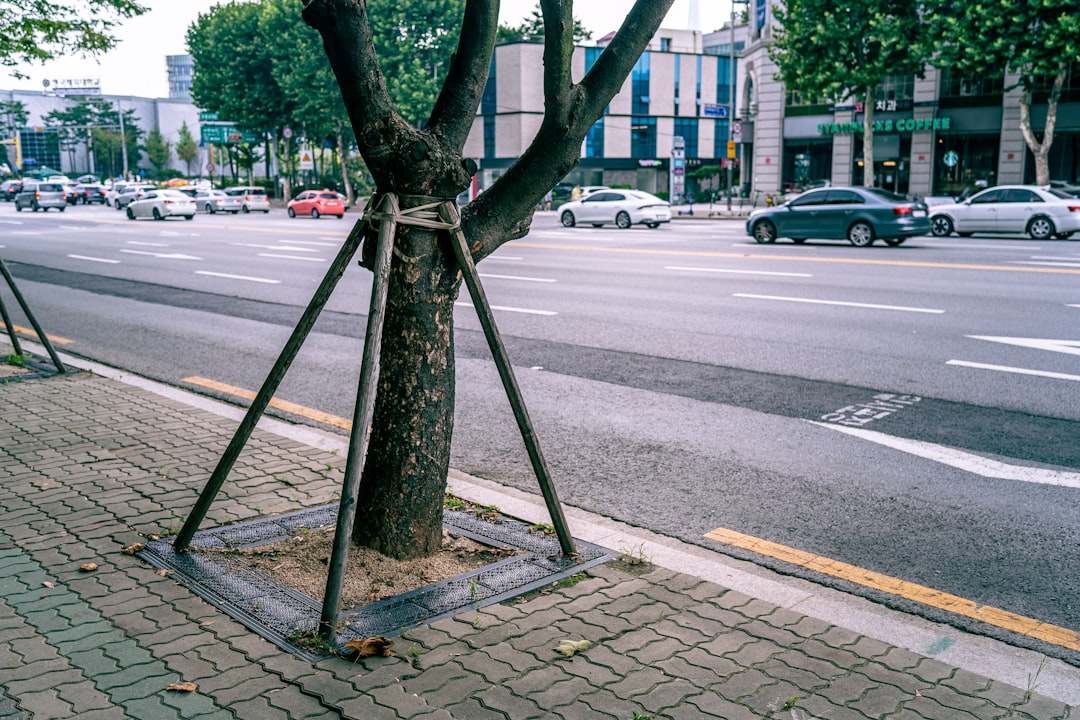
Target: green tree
(840, 49)
(40, 30)
(187, 150)
(402, 485)
(13, 118)
(532, 30)
(1034, 41)
(158, 150)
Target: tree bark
(1041, 150)
(868, 136)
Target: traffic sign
(731, 149)
(210, 168)
(716, 111)
(208, 117)
(287, 133)
(306, 161)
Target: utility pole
(731, 104)
(123, 137)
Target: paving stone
(45, 704)
(502, 699)
(638, 683)
(365, 708)
(598, 705)
(331, 689)
(149, 707)
(258, 707)
(712, 705)
(667, 695)
(473, 709)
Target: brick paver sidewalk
(89, 465)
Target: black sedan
(858, 214)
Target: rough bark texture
(868, 136)
(1041, 150)
(399, 511)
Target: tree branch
(463, 88)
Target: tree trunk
(347, 184)
(868, 136)
(1041, 150)
(399, 510)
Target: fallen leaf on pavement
(372, 646)
(570, 647)
(48, 584)
(132, 549)
(163, 572)
(183, 687)
(88, 567)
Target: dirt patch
(302, 563)
(9, 370)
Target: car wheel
(652, 226)
(567, 219)
(315, 213)
(941, 226)
(212, 209)
(189, 217)
(965, 234)
(266, 212)
(18, 207)
(292, 213)
(130, 214)
(157, 214)
(623, 221)
(598, 224)
(861, 235)
(63, 208)
(341, 216)
(35, 207)
(1041, 228)
(798, 241)
(1064, 236)
(893, 242)
(764, 232)
(245, 209)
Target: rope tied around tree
(386, 207)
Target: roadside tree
(33, 32)
(402, 485)
(13, 117)
(835, 50)
(187, 150)
(1035, 42)
(158, 150)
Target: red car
(316, 203)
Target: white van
(255, 198)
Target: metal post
(731, 107)
(10, 329)
(449, 213)
(33, 321)
(270, 385)
(123, 137)
(361, 426)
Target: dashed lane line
(54, 339)
(841, 303)
(1053, 634)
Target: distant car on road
(41, 196)
(624, 208)
(254, 198)
(215, 201)
(88, 194)
(9, 189)
(1040, 212)
(858, 214)
(316, 203)
(160, 204)
(131, 193)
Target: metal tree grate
(281, 614)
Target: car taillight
(1074, 208)
(902, 210)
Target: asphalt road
(913, 410)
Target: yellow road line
(55, 339)
(285, 405)
(1004, 619)
(799, 258)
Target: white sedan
(1041, 212)
(160, 204)
(624, 208)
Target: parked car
(160, 204)
(624, 208)
(1071, 188)
(215, 201)
(87, 194)
(316, 203)
(88, 180)
(132, 193)
(254, 198)
(858, 214)
(1040, 212)
(9, 189)
(41, 196)
(114, 191)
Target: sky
(136, 66)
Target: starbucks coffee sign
(885, 126)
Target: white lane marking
(10, 222)
(1070, 347)
(516, 277)
(489, 258)
(506, 308)
(163, 256)
(1076, 306)
(1049, 264)
(1015, 370)
(93, 259)
(841, 303)
(961, 460)
(965, 246)
(290, 257)
(274, 247)
(31, 233)
(1070, 258)
(229, 276)
(317, 244)
(147, 244)
(737, 272)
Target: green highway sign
(224, 134)
(208, 117)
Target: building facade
(937, 135)
(670, 118)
